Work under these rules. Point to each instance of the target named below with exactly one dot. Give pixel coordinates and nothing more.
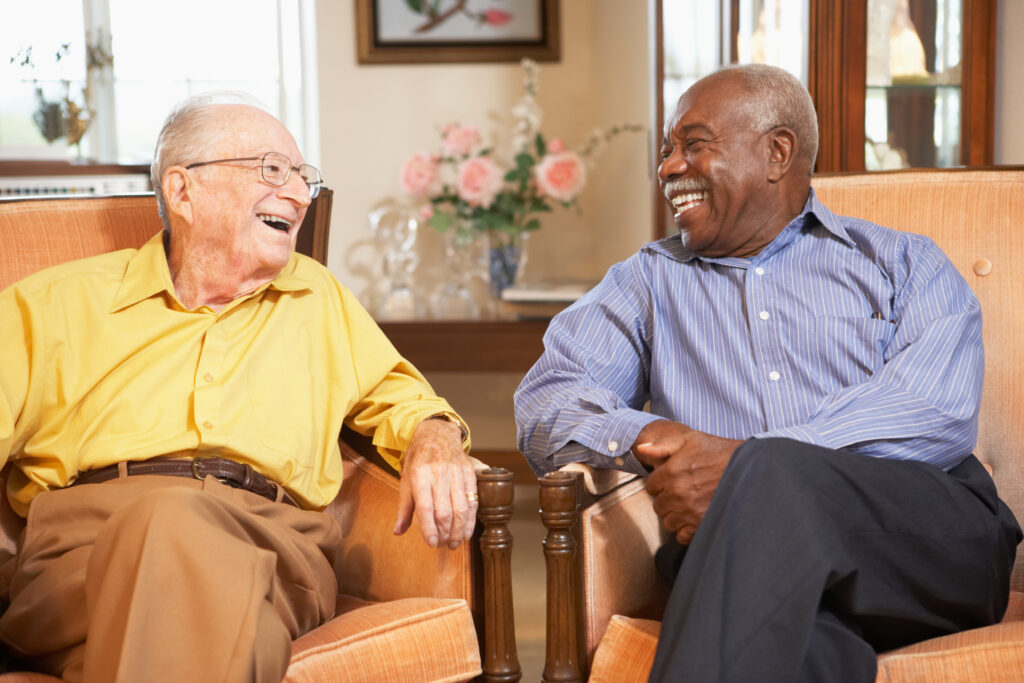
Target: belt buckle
(195, 469)
(227, 481)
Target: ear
(781, 151)
(177, 188)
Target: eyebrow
(689, 128)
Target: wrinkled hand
(436, 476)
(687, 468)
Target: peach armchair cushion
(413, 639)
(991, 654)
(39, 234)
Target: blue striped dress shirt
(840, 333)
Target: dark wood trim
(564, 659)
(500, 661)
(978, 78)
(734, 31)
(49, 167)
(837, 49)
(469, 346)
(369, 51)
(315, 231)
(658, 106)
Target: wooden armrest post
(558, 511)
(500, 660)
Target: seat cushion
(413, 639)
(994, 654)
(626, 651)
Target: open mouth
(687, 200)
(275, 222)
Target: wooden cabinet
(838, 81)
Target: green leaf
(542, 147)
(524, 161)
(538, 206)
(440, 221)
(513, 176)
(415, 5)
(532, 224)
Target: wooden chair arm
(600, 561)
(374, 564)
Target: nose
(296, 190)
(671, 166)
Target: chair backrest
(39, 233)
(977, 217)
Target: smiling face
(720, 172)
(229, 227)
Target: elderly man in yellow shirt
(212, 350)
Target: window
(145, 57)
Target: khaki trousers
(158, 578)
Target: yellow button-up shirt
(100, 362)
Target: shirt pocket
(851, 349)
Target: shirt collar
(148, 274)
(814, 213)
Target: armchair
(604, 595)
(450, 610)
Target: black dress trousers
(810, 561)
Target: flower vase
(453, 300)
(506, 258)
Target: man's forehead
(244, 129)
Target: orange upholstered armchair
(406, 612)
(604, 594)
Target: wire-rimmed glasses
(275, 169)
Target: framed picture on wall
(423, 31)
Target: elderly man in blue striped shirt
(814, 383)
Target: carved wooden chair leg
(500, 660)
(558, 511)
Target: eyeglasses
(275, 169)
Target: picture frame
(453, 31)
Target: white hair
(187, 134)
(780, 99)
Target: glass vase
(453, 300)
(506, 259)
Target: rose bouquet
(470, 189)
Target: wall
(374, 116)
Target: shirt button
(763, 315)
(613, 445)
(208, 425)
(774, 376)
(208, 377)
(759, 270)
(620, 462)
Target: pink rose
(556, 146)
(560, 175)
(426, 212)
(495, 17)
(420, 176)
(479, 181)
(460, 140)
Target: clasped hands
(438, 482)
(687, 466)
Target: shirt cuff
(612, 442)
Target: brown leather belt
(235, 474)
